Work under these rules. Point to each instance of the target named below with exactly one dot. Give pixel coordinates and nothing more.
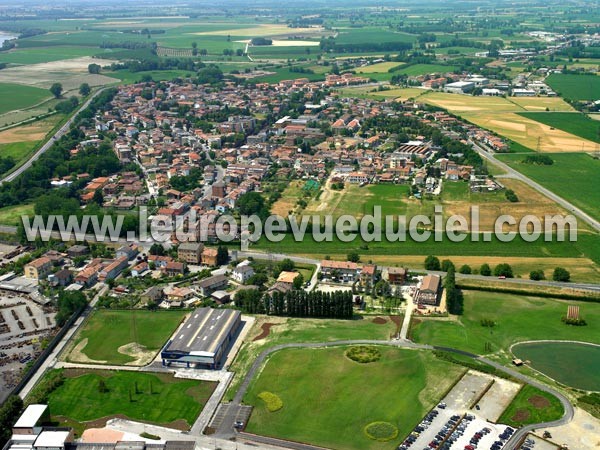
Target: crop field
(16, 96)
(458, 103)
(149, 397)
(575, 87)
(539, 104)
(570, 176)
(38, 55)
(379, 67)
(69, 72)
(124, 337)
(517, 318)
(400, 94)
(575, 123)
(371, 34)
(424, 69)
(398, 388)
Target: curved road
(59, 133)
(538, 187)
(512, 443)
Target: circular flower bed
(381, 431)
(363, 354)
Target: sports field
(16, 96)
(517, 318)
(571, 176)
(149, 397)
(575, 123)
(575, 87)
(124, 337)
(333, 410)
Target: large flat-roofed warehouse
(203, 338)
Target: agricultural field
(124, 337)
(575, 123)
(502, 115)
(333, 412)
(379, 67)
(570, 176)
(424, 69)
(16, 96)
(149, 397)
(400, 94)
(36, 55)
(530, 318)
(575, 87)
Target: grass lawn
(572, 176)
(107, 330)
(531, 405)
(160, 398)
(332, 411)
(518, 318)
(11, 215)
(575, 87)
(16, 96)
(289, 330)
(575, 123)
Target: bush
(541, 160)
(446, 263)
(432, 263)
(489, 323)
(153, 437)
(272, 401)
(561, 274)
(575, 322)
(465, 269)
(537, 275)
(485, 270)
(363, 354)
(503, 270)
(381, 431)
(511, 196)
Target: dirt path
(266, 330)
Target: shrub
(489, 323)
(363, 354)
(272, 401)
(465, 269)
(503, 270)
(153, 437)
(561, 274)
(432, 263)
(485, 270)
(575, 322)
(537, 275)
(381, 431)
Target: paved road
(538, 187)
(61, 131)
(228, 421)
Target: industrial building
(203, 339)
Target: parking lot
(456, 423)
(24, 324)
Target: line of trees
(297, 303)
(454, 297)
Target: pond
(570, 363)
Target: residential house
(38, 269)
(396, 275)
(211, 284)
(344, 271)
(241, 274)
(190, 252)
(429, 290)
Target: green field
(556, 359)
(332, 411)
(11, 215)
(16, 96)
(47, 54)
(107, 330)
(575, 123)
(518, 318)
(424, 69)
(575, 87)
(572, 176)
(531, 405)
(160, 398)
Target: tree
(56, 90)
(222, 255)
(465, 269)
(298, 281)
(9, 413)
(98, 198)
(94, 69)
(157, 249)
(102, 388)
(432, 263)
(561, 274)
(85, 89)
(537, 275)
(287, 265)
(485, 270)
(446, 263)
(503, 270)
(353, 257)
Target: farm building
(203, 338)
